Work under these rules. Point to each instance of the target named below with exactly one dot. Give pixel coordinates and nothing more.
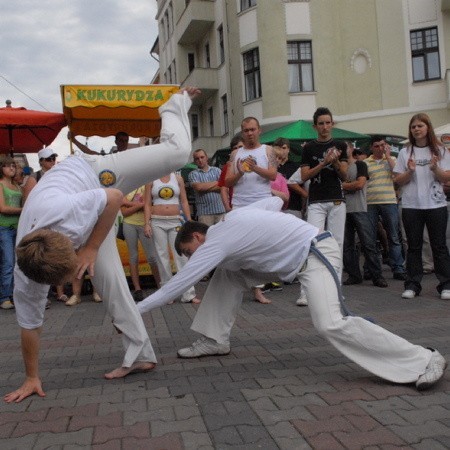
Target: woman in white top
(163, 199)
(421, 170)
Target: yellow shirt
(138, 217)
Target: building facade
(374, 63)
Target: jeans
(7, 261)
(435, 220)
(359, 222)
(389, 216)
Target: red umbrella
(26, 131)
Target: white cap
(46, 153)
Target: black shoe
(400, 276)
(351, 280)
(138, 296)
(380, 282)
(367, 276)
(271, 287)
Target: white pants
(132, 169)
(329, 217)
(164, 231)
(372, 347)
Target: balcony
(196, 20)
(204, 78)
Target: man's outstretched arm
(30, 351)
(88, 253)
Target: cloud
(53, 42)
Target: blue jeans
(390, 218)
(435, 220)
(359, 222)
(7, 261)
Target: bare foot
(259, 297)
(137, 367)
(196, 301)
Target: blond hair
(47, 257)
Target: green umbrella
(302, 130)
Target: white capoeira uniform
(69, 199)
(250, 246)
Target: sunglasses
(50, 158)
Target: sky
(47, 43)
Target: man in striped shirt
(204, 181)
(382, 201)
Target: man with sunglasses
(47, 159)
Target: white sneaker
(203, 347)
(433, 372)
(445, 294)
(408, 293)
(73, 300)
(302, 301)
(96, 297)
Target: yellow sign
(104, 110)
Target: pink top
(280, 184)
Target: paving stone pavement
(281, 387)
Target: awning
(104, 110)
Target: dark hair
(122, 133)
(376, 138)
(280, 142)
(234, 141)
(321, 111)
(5, 161)
(432, 140)
(186, 231)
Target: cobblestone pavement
(281, 387)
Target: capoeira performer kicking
(66, 228)
(249, 246)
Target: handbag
(120, 234)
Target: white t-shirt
(68, 199)
(257, 238)
(423, 191)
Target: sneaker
(63, 298)
(433, 372)
(445, 294)
(204, 347)
(96, 298)
(302, 301)
(380, 282)
(399, 276)
(138, 296)
(73, 300)
(7, 304)
(408, 293)
(271, 287)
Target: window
(425, 54)
(225, 113)
(211, 121)
(252, 77)
(221, 45)
(245, 4)
(166, 25)
(194, 125)
(300, 66)
(207, 56)
(191, 62)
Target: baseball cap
(46, 153)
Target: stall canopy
(104, 110)
(302, 130)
